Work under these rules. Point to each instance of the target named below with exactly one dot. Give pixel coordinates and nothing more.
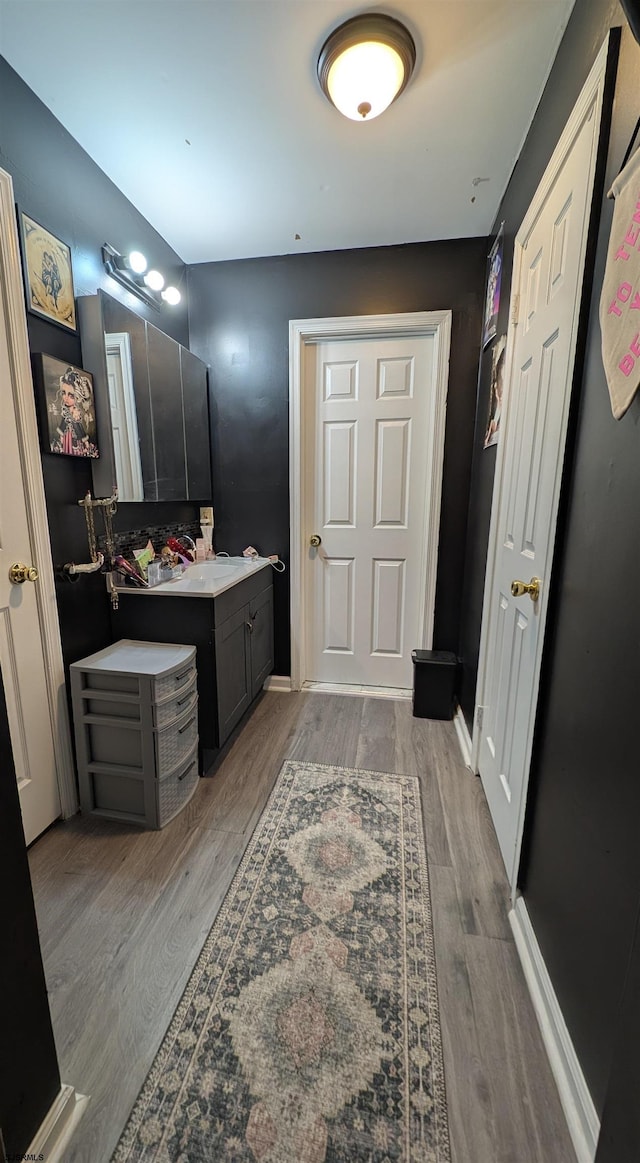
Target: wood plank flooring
(123, 915)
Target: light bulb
(172, 296)
(154, 280)
(364, 80)
(137, 262)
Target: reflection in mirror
(126, 444)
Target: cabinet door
(163, 355)
(116, 317)
(233, 672)
(261, 639)
(195, 404)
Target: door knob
(20, 573)
(315, 540)
(532, 588)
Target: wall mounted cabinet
(167, 389)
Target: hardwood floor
(123, 915)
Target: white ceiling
(208, 115)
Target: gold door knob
(315, 540)
(532, 588)
(20, 573)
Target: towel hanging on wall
(620, 299)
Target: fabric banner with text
(620, 300)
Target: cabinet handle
(181, 730)
(179, 677)
(249, 626)
(187, 770)
(254, 616)
(186, 699)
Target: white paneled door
(548, 277)
(31, 676)
(366, 460)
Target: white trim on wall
(278, 682)
(18, 351)
(53, 1135)
(464, 738)
(580, 1113)
(302, 331)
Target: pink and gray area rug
(309, 1030)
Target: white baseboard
(580, 1113)
(464, 738)
(53, 1136)
(278, 682)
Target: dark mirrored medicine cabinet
(152, 407)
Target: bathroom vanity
(225, 609)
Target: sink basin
(207, 579)
(204, 570)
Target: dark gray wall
(239, 319)
(581, 866)
(59, 185)
(29, 1076)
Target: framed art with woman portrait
(68, 410)
(48, 277)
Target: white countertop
(203, 579)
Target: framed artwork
(48, 277)
(492, 298)
(68, 411)
(497, 388)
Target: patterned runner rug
(309, 1030)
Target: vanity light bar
(135, 280)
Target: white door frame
(591, 95)
(29, 447)
(303, 331)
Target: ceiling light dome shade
(365, 64)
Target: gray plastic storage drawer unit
(135, 712)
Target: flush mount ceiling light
(131, 272)
(365, 64)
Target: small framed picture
(492, 299)
(68, 411)
(48, 277)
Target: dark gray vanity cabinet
(171, 403)
(233, 637)
(243, 647)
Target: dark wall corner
(29, 1075)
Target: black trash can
(434, 683)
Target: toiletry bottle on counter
(207, 538)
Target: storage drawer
(115, 744)
(118, 794)
(172, 684)
(174, 743)
(96, 680)
(177, 788)
(171, 708)
(111, 707)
